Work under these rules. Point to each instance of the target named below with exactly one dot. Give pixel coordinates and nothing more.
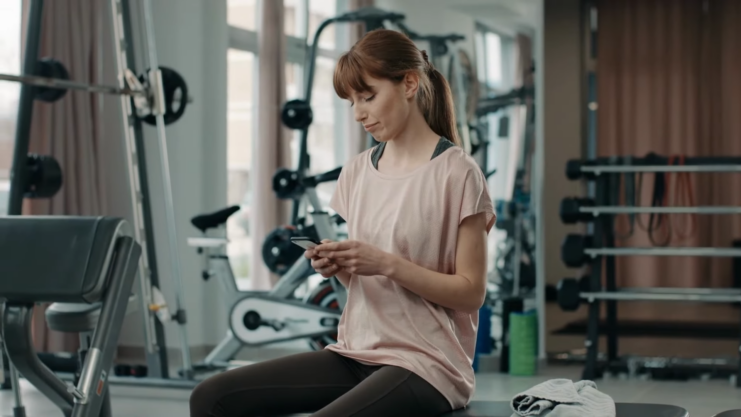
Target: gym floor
(700, 398)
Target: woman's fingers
(329, 271)
(321, 263)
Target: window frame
(508, 46)
(297, 49)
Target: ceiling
(500, 14)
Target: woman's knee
(204, 400)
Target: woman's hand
(325, 267)
(355, 257)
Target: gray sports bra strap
(442, 145)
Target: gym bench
(503, 409)
(74, 261)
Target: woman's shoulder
(458, 161)
(355, 163)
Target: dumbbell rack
(605, 175)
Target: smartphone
(304, 242)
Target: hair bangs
(348, 76)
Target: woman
(418, 214)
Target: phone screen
(304, 242)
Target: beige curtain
(668, 82)
(272, 147)
(69, 130)
(357, 140)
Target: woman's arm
(343, 277)
(463, 291)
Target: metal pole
(669, 290)
(595, 282)
(136, 166)
(598, 210)
(18, 173)
(167, 187)
(657, 296)
(612, 182)
(716, 252)
(62, 84)
(18, 410)
(604, 169)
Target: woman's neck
(415, 143)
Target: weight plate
(176, 96)
(568, 294)
(297, 114)
(51, 68)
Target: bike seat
(207, 221)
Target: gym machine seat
(63, 259)
(77, 317)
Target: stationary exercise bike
(259, 318)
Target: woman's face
(383, 111)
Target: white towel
(563, 398)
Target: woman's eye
(370, 98)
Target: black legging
(322, 382)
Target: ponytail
(391, 55)
(440, 114)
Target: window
(242, 14)
(301, 19)
(10, 63)
(493, 55)
(240, 132)
(319, 11)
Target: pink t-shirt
(415, 216)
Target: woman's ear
(411, 84)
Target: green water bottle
(523, 343)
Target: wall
(431, 18)
(191, 37)
(562, 136)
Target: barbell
(576, 250)
(569, 290)
(149, 99)
(571, 293)
(571, 210)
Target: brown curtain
(668, 82)
(272, 147)
(358, 139)
(69, 130)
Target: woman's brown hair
(391, 55)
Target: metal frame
(597, 211)
(666, 294)
(18, 172)
(605, 181)
(89, 398)
(678, 251)
(154, 336)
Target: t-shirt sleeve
(339, 201)
(476, 198)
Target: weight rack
(605, 174)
